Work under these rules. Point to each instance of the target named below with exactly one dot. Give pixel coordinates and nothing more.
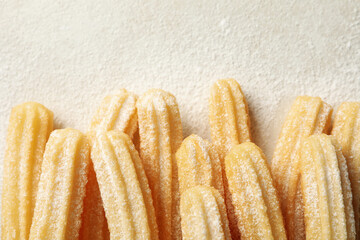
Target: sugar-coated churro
(229, 117)
(203, 214)
(116, 112)
(124, 187)
(326, 190)
(59, 202)
(230, 125)
(307, 116)
(198, 164)
(160, 136)
(253, 193)
(29, 128)
(346, 129)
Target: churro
(59, 202)
(307, 116)
(124, 187)
(29, 128)
(203, 214)
(346, 129)
(326, 190)
(254, 195)
(160, 136)
(116, 112)
(198, 164)
(230, 125)
(229, 117)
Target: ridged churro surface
(254, 196)
(346, 129)
(229, 115)
(59, 202)
(198, 164)
(326, 190)
(124, 187)
(230, 125)
(203, 214)
(116, 112)
(160, 136)
(29, 129)
(307, 116)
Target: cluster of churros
(133, 176)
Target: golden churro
(59, 202)
(198, 164)
(124, 187)
(160, 137)
(326, 190)
(29, 128)
(346, 129)
(229, 117)
(203, 214)
(116, 112)
(307, 116)
(254, 195)
(230, 125)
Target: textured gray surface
(68, 55)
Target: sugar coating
(254, 196)
(203, 214)
(307, 116)
(29, 128)
(59, 202)
(124, 188)
(326, 190)
(116, 112)
(160, 133)
(198, 164)
(346, 129)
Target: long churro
(59, 202)
(346, 129)
(29, 129)
(254, 195)
(326, 190)
(230, 125)
(116, 112)
(124, 187)
(160, 137)
(307, 116)
(198, 164)
(203, 214)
